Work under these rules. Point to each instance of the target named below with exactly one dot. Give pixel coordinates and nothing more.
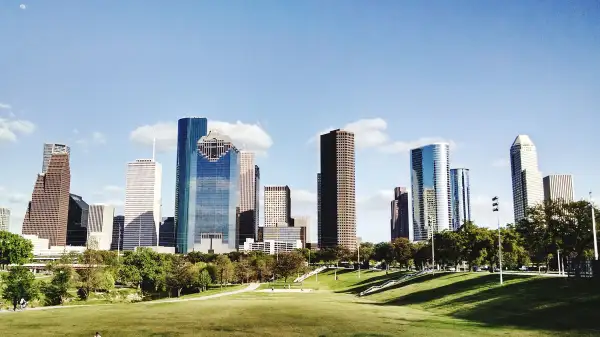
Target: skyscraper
(50, 149)
(430, 179)
(558, 187)
(460, 197)
(189, 132)
(338, 197)
(166, 235)
(257, 199)
(319, 239)
(100, 226)
(248, 200)
(526, 177)
(77, 228)
(213, 199)
(117, 236)
(278, 206)
(48, 210)
(4, 219)
(143, 192)
(303, 221)
(399, 223)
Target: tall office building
(278, 206)
(166, 234)
(338, 196)
(143, 190)
(558, 187)
(319, 238)
(189, 132)
(399, 223)
(460, 197)
(50, 149)
(213, 197)
(430, 179)
(257, 199)
(526, 177)
(117, 236)
(4, 219)
(77, 229)
(248, 200)
(303, 221)
(48, 210)
(100, 226)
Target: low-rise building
(271, 247)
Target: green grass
(348, 281)
(448, 305)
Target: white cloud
(98, 138)
(5, 106)
(11, 128)
(303, 196)
(377, 201)
(113, 189)
(371, 133)
(251, 137)
(75, 131)
(23, 6)
(18, 198)
(501, 162)
(482, 214)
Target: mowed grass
(430, 306)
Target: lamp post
(432, 246)
(358, 258)
(594, 228)
(495, 209)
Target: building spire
(154, 149)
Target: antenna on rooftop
(154, 149)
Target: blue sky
(103, 76)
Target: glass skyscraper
(430, 179)
(189, 132)
(460, 189)
(213, 195)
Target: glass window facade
(213, 195)
(460, 188)
(189, 132)
(430, 180)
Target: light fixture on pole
(495, 208)
(432, 246)
(594, 227)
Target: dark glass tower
(189, 132)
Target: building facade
(558, 187)
(460, 197)
(50, 149)
(100, 226)
(248, 200)
(166, 235)
(430, 180)
(526, 177)
(214, 194)
(399, 222)
(278, 206)
(143, 191)
(48, 210)
(77, 221)
(338, 197)
(270, 246)
(319, 231)
(304, 221)
(282, 233)
(4, 219)
(257, 199)
(189, 132)
(117, 236)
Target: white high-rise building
(50, 149)
(4, 219)
(100, 226)
(526, 177)
(558, 187)
(430, 179)
(277, 206)
(248, 197)
(142, 204)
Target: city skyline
(276, 101)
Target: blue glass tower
(460, 188)
(189, 132)
(214, 194)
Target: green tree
(402, 250)
(421, 253)
(145, 269)
(95, 275)
(14, 249)
(384, 251)
(244, 271)
(56, 292)
(203, 280)
(224, 269)
(289, 264)
(181, 274)
(19, 283)
(367, 250)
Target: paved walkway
(250, 287)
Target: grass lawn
(448, 305)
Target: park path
(250, 287)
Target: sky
(105, 77)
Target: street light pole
(432, 246)
(594, 228)
(358, 259)
(495, 209)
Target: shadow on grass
(377, 281)
(529, 302)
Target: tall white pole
(594, 228)
(358, 258)
(500, 250)
(558, 260)
(432, 248)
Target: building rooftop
(522, 140)
(215, 135)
